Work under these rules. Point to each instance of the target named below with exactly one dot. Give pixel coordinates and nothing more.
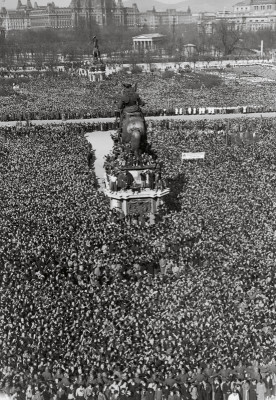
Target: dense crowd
(122, 158)
(256, 71)
(72, 97)
(30, 129)
(93, 307)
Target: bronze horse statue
(133, 126)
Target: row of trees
(74, 44)
(223, 40)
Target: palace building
(87, 12)
(252, 15)
(35, 17)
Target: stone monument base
(140, 203)
(97, 72)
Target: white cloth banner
(193, 156)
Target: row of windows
(268, 7)
(261, 27)
(256, 20)
(255, 26)
(15, 25)
(16, 19)
(261, 20)
(62, 23)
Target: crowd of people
(147, 167)
(93, 307)
(30, 129)
(64, 96)
(256, 71)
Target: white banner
(193, 156)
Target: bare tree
(226, 37)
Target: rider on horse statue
(130, 102)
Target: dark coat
(129, 179)
(129, 98)
(205, 393)
(184, 390)
(218, 393)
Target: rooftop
(149, 36)
(254, 2)
(258, 2)
(242, 3)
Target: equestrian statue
(132, 122)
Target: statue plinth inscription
(139, 207)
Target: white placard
(193, 156)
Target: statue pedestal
(137, 202)
(97, 72)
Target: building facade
(87, 12)
(148, 42)
(206, 23)
(36, 17)
(252, 15)
(14, 20)
(154, 19)
(50, 17)
(247, 15)
(126, 16)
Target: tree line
(116, 42)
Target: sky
(10, 4)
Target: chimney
(19, 4)
(29, 5)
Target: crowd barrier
(82, 126)
(151, 113)
(223, 110)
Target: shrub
(168, 74)
(136, 69)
